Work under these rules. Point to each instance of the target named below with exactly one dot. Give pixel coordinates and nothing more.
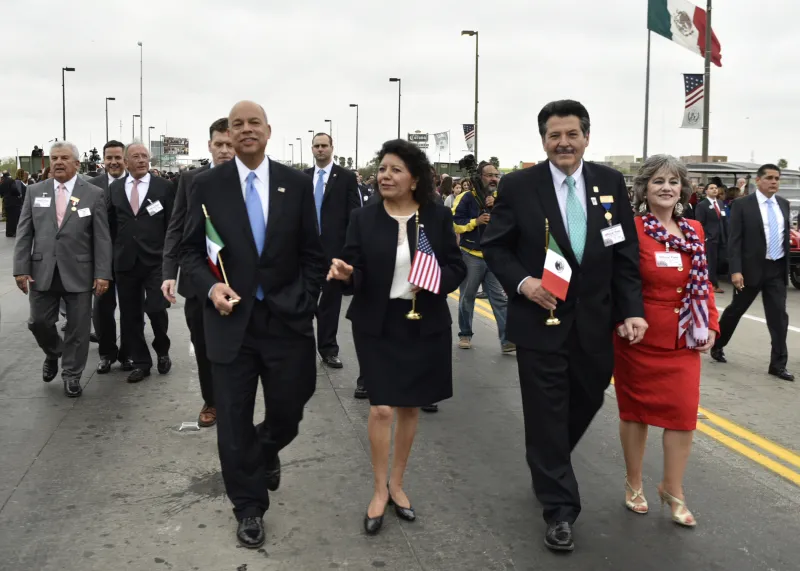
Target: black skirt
(401, 367)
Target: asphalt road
(106, 482)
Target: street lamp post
(356, 106)
(331, 127)
(399, 95)
(141, 122)
(107, 100)
(133, 126)
(292, 146)
(148, 138)
(475, 33)
(301, 151)
(64, 102)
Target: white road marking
(721, 308)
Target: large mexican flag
(557, 273)
(683, 23)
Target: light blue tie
(576, 220)
(319, 194)
(255, 211)
(775, 246)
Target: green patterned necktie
(576, 220)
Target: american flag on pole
(469, 135)
(694, 87)
(425, 271)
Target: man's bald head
(249, 131)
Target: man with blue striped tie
(259, 323)
(758, 258)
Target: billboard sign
(419, 139)
(176, 146)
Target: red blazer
(662, 290)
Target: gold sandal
(631, 504)
(681, 516)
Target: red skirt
(658, 387)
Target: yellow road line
(766, 445)
(776, 450)
(748, 452)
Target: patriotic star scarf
(693, 317)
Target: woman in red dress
(658, 380)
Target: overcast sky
(306, 60)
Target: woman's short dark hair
(447, 186)
(416, 162)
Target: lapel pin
(594, 188)
(73, 209)
(281, 189)
(335, 175)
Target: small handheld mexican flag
(214, 245)
(557, 273)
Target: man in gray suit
(63, 252)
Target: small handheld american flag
(425, 271)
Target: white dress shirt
(111, 179)
(69, 185)
(562, 193)
(327, 169)
(763, 206)
(261, 182)
(401, 288)
(144, 185)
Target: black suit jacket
(605, 288)
(714, 226)
(291, 268)
(172, 244)
(747, 241)
(141, 236)
(341, 196)
(372, 250)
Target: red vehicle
(794, 244)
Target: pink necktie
(61, 204)
(135, 197)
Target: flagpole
(707, 83)
(647, 99)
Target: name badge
(608, 199)
(154, 208)
(723, 213)
(42, 202)
(668, 260)
(84, 212)
(612, 235)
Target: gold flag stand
(221, 263)
(552, 320)
(414, 315)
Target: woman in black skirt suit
(404, 363)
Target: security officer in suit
(105, 306)
(141, 206)
(711, 214)
(221, 149)
(63, 252)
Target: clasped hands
(632, 329)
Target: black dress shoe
(332, 361)
(127, 364)
(360, 392)
(559, 536)
(104, 366)
(93, 338)
(49, 370)
(407, 514)
(250, 532)
(782, 374)
(430, 408)
(718, 355)
(72, 388)
(274, 475)
(164, 364)
(138, 375)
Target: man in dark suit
(758, 259)
(105, 306)
(564, 369)
(335, 195)
(261, 325)
(710, 212)
(141, 205)
(221, 149)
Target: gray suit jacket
(81, 247)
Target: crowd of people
(259, 250)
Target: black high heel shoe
(372, 525)
(407, 514)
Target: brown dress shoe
(208, 416)
(719, 290)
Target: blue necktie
(576, 220)
(255, 211)
(775, 249)
(319, 194)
